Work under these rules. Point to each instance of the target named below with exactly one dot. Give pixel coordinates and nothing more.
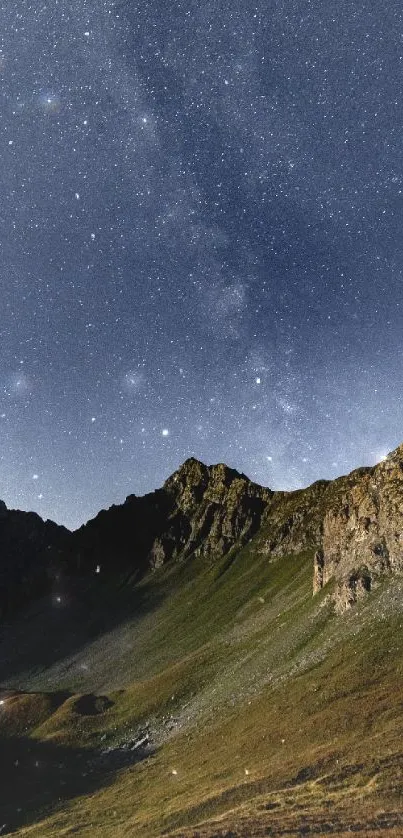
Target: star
(198, 245)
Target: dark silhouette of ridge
(30, 551)
(74, 586)
(352, 526)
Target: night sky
(201, 243)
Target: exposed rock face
(203, 510)
(363, 531)
(353, 525)
(215, 508)
(293, 521)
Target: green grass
(284, 711)
(183, 608)
(333, 738)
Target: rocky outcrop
(363, 532)
(216, 508)
(201, 510)
(293, 521)
(352, 525)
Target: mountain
(363, 531)
(354, 523)
(201, 510)
(212, 659)
(30, 549)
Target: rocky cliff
(201, 510)
(363, 531)
(352, 525)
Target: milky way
(201, 243)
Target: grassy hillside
(224, 700)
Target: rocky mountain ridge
(30, 551)
(353, 525)
(363, 533)
(201, 510)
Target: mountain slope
(199, 510)
(196, 686)
(30, 550)
(271, 712)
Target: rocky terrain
(200, 510)
(354, 525)
(363, 532)
(212, 659)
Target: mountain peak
(194, 471)
(190, 471)
(392, 459)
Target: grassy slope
(273, 713)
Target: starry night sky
(201, 243)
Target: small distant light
(174, 772)
(165, 432)
(269, 459)
(258, 380)
(98, 568)
(58, 599)
(2, 702)
(93, 419)
(77, 196)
